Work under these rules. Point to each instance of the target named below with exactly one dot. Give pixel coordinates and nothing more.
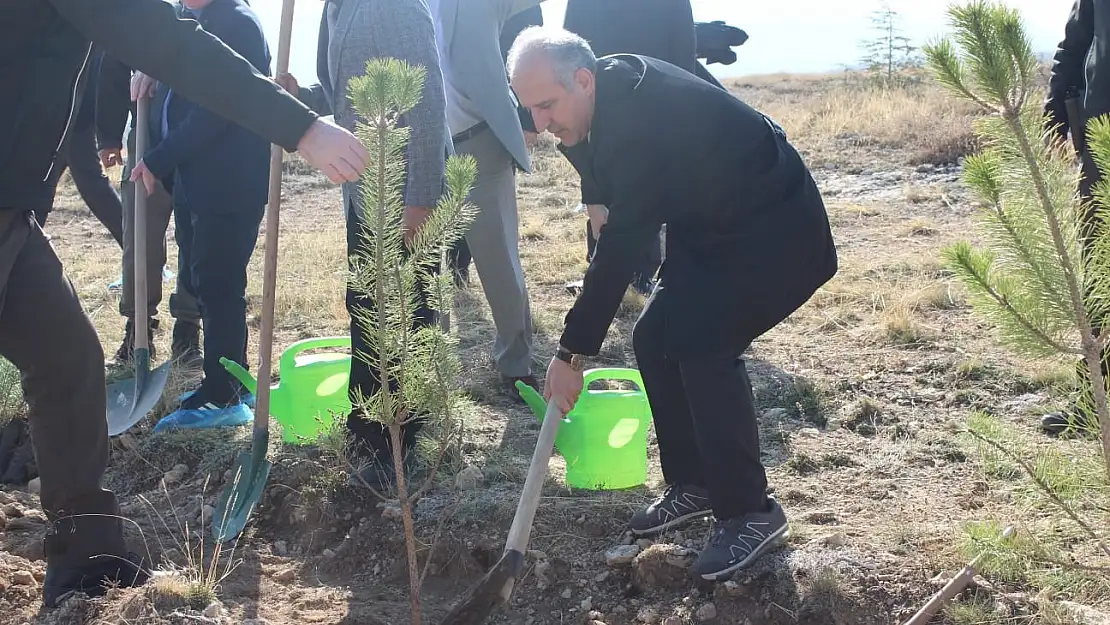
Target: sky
(794, 36)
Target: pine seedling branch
(417, 363)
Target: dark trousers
(214, 248)
(458, 260)
(372, 436)
(652, 258)
(45, 333)
(1089, 178)
(96, 189)
(705, 418)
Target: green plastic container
(312, 391)
(604, 438)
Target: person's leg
(45, 333)
(158, 212)
(95, 188)
(371, 439)
(686, 496)
(458, 261)
(643, 279)
(493, 239)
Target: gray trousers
(159, 210)
(493, 238)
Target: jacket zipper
(69, 118)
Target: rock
(328, 553)
(5, 498)
(647, 615)
(601, 577)
(281, 548)
(662, 566)
(213, 610)
(285, 575)
(776, 414)
(838, 539)
(644, 543)
(672, 620)
(23, 578)
(33, 523)
(567, 593)
(587, 604)
(176, 474)
(621, 555)
(809, 433)
(1083, 615)
(12, 510)
(255, 621)
(541, 571)
(39, 574)
(4, 584)
(469, 478)
(594, 615)
(206, 513)
(707, 612)
(3, 521)
(128, 442)
(34, 486)
(392, 511)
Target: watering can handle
(612, 373)
(289, 357)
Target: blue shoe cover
(237, 414)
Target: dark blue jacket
(217, 166)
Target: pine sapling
(399, 273)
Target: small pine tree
(418, 364)
(1032, 280)
(890, 51)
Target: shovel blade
(240, 497)
(482, 598)
(131, 399)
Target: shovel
(497, 586)
(130, 399)
(240, 497)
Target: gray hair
(567, 52)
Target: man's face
(195, 5)
(565, 113)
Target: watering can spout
(534, 400)
(241, 374)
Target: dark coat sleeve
(1068, 65)
(113, 102)
(202, 127)
(637, 194)
(147, 36)
(683, 44)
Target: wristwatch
(574, 360)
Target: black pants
(214, 248)
(1090, 177)
(96, 190)
(372, 436)
(705, 418)
(652, 258)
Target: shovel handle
(138, 228)
(521, 528)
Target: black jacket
(216, 165)
(44, 56)
(662, 29)
(748, 240)
(1080, 65)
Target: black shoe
(529, 380)
(678, 504)
(1069, 422)
(85, 552)
(125, 354)
(185, 345)
(736, 543)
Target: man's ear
(584, 78)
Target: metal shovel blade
(240, 497)
(132, 399)
(486, 595)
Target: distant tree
(889, 53)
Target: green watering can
(312, 390)
(604, 438)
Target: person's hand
(599, 214)
(334, 151)
(140, 171)
(286, 81)
(142, 86)
(412, 220)
(110, 157)
(563, 383)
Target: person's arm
(1068, 64)
(314, 98)
(201, 127)
(403, 30)
(113, 103)
(634, 219)
(146, 35)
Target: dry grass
(887, 360)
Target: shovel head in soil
(484, 597)
(131, 399)
(239, 499)
(497, 586)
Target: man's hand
(142, 86)
(563, 383)
(141, 171)
(599, 214)
(334, 151)
(110, 157)
(289, 83)
(412, 220)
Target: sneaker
(201, 410)
(737, 542)
(678, 504)
(245, 396)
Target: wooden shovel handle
(138, 228)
